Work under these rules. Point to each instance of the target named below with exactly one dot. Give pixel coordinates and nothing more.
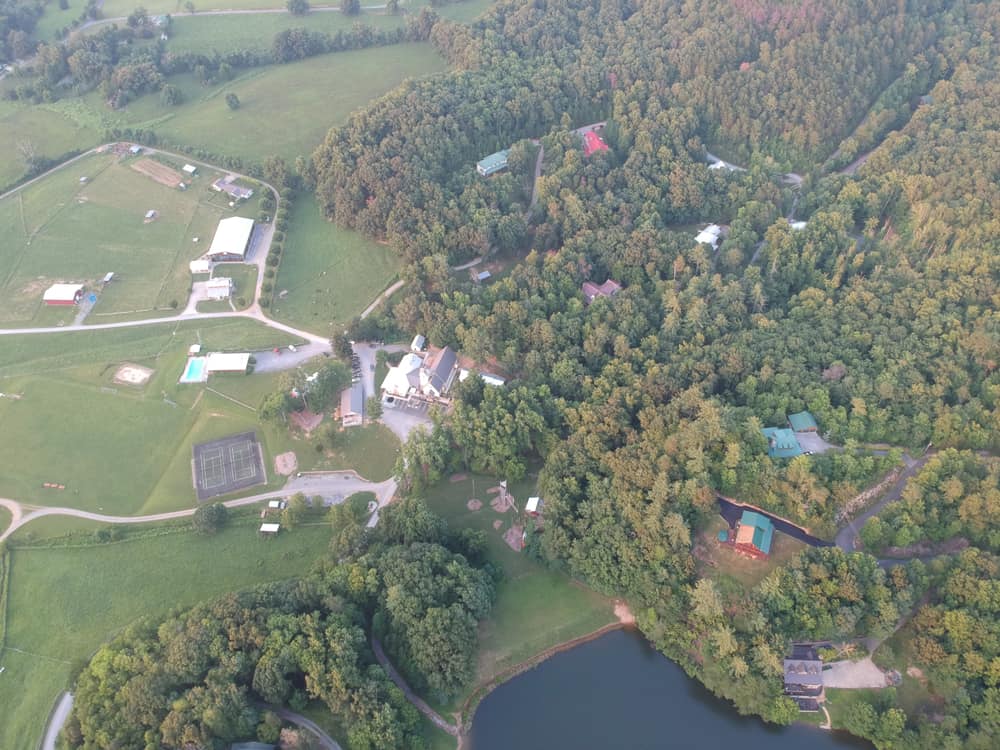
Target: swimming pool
(196, 371)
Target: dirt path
(383, 296)
(56, 720)
(412, 697)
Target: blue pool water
(195, 371)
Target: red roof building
(592, 143)
(592, 291)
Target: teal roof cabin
(781, 442)
(803, 421)
(754, 534)
(492, 163)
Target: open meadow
(102, 214)
(65, 601)
(330, 274)
(536, 608)
(26, 129)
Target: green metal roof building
(781, 442)
(492, 163)
(755, 533)
(803, 421)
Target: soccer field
(106, 214)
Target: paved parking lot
(402, 418)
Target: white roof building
(63, 294)
(709, 235)
(194, 349)
(404, 378)
(219, 288)
(534, 505)
(269, 528)
(493, 380)
(227, 362)
(231, 238)
(418, 344)
(189, 168)
(201, 265)
(797, 225)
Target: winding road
(335, 484)
(412, 697)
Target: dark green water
(617, 692)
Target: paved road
(332, 484)
(326, 741)
(56, 721)
(385, 295)
(412, 697)
(847, 537)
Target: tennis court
(227, 465)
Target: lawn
(536, 608)
(46, 132)
(64, 602)
(65, 230)
(205, 34)
(315, 94)
(330, 274)
(371, 451)
(466, 11)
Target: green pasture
(48, 133)
(466, 11)
(314, 94)
(330, 274)
(204, 34)
(82, 221)
(54, 19)
(536, 608)
(65, 601)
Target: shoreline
(465, 715)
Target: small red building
(63, 294)
(592, 143)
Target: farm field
(536, 608)
(89, 218)
(49, 133)
(331, 274)
(205, 34)
(65, 601)
(316, 94)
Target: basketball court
(227, 465)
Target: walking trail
(412, 697)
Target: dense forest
(878, 316)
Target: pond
(618, 692)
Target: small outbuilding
(190, 169)
(492, 163)
(483, 276)
(533, 507)
(63, 294)
(202, 265)
(270, 529)
(276, 504)
(803, 421)
(227, 362)
(709, 235)
(219, 288)
(194, 350)
(352, 405)
(108, 277)
(135, 149)
(418, 344)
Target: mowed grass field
(121, 449)
(331, 274)
(536, 608)
(66, 601)
(63, 230)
